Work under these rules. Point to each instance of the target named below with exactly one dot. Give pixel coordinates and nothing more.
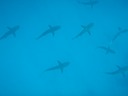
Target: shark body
(51, 30)
(60, 66)
(121, 70)
(12, 31)
(85, 29)
(90, 3)
(119, 33)
(107, 49)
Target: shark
(107, 49)
(51, 30)
(90, 2)
(85, 29)
(11, 31)
(60, 66)
(121, 31)
(120, 70)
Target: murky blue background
(23, 59)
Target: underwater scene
(63, 47)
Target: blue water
(23, 59)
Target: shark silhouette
(91, 3)
(85, 29)
(107, 49)
(60, 66)
(52, 30)
(121, 70)
(12, 31)
(119, 33)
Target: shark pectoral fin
(107, 51)
(14, 34)
(119, 28)
(75, 37)
(118, 66)
(1, 38)
(112, 51)
(59, 62)
(60, 65)
(50, 26)
(91, 5)
(83, 26)
(37, 38)
(53, 34)
(9, 28)
(61, 70)
(126, 30)
(89, 32)
(123, 74)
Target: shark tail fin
(60, 64)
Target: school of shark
(87, 30)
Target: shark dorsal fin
(119, 28)
(50, 26)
